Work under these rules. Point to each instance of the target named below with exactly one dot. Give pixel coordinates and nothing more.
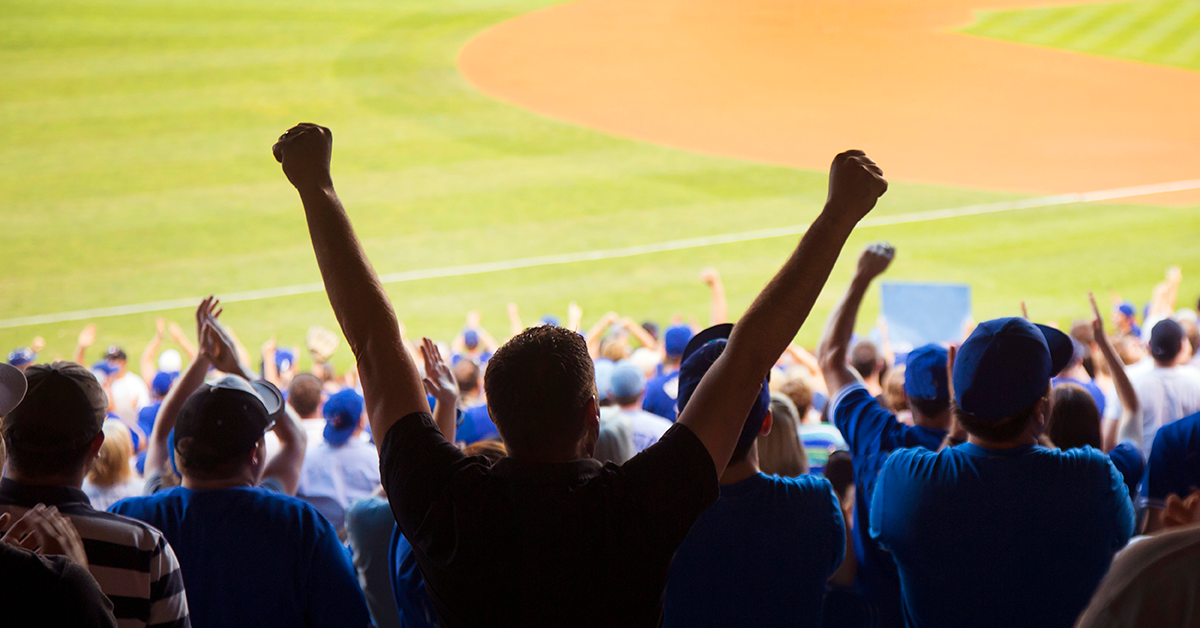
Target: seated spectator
(663, 390)
(961, 524)
(873, 433)
(779, 450)
(626, 387)
(111, 478)
(253, 556)
(343, 468)
(818, 439)
(52, 439)
(547, 535)
(761, 555)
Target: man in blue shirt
(769, 543)
(250, 556)
(872, 432)
(1174, 466)
(663, 389)
(1000, 531)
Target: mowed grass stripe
(1179, 17)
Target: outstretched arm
(1130, 426)
(718, 408)
(391, 382)
(180, 339)
(719, 308)
(87, 338)
(835, 341)
(439, 382)
(148, 368)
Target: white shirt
(332, 478)
(647, 427)
(1167, 394)
(129, 396)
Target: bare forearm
(157, 451)
(146, 364)
(719, 308)
(445, 416)
(285, 465)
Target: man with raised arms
(549, 536)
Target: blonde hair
(893, 389)
(112, 466)
(780, 452)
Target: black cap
(1166, 340)
(226, 418)
(64, 408)
(114, 353)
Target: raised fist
(875, 259)
(305, 151)
(87, 337)
(710, 276)
(855, 184)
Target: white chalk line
(603, 254)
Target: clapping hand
(216, 344)
(439, 378)
(855, 184)
(87, 337)
(43, 530)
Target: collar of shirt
(30, 495)
(976, 450)
(547, 473)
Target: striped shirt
(131, 560)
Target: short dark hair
(864, 357)
(207, 466)
(801, 395)
(1074, 419)
(39, 463)
(466, 373)
(839, 470)
(1003, 430)
(304, 394)
(928, 408)
(537, 384)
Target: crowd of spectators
(624, 474)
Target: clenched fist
(875, 259)
(305, 151)
(855, 184)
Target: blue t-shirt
(251, 557)
(1174, 461)
(760, 556)
(872, 433)
(476, 425)
(1090, 386)
(1000, 537)
(408, 586)
(661, 394)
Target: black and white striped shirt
(131, 560)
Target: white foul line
(602, 254)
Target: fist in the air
(305, 151)
(855, 184)
(875, 259)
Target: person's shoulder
(803, 486)
(1177, 432)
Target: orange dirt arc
(793, 82)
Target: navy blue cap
(226, 417)
(1006, 365)
(21, 356)
(699, 355)
(925, 375)
(676, 338)
(470, 338)
(342, 412)
(1166, 339)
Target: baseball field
(602, 152)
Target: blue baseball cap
(1006, 365)
(161, 384)
(604, 372)
(21, 356)
(284, 359)
(107, 368)
(627, 380)
(470, 338)
(699, 355)
(676, 338)
(342, 412)
(549, 319)
(925, 376)
(1128, 309)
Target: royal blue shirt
(252, 557)
(760, 556)
(1089, 386)
(872, 433)
(1000, 537)
(408, 585)
(1174, 461)
(661, 394)
(476, 425)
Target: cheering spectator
(1167, 392)
(765, 535)
(547, 528)
(779, 450)
(1125, 319)
(663, 389)
(305, 396)
(253, 556)
(627, 385)
(473, 343)
(476, 425)
(872, 432)
(342, 468)
(22, 357)
(52, 439)
(962, 524)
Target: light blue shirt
(332, 477)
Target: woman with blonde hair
(112, 478)
(779, 451)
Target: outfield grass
(136, 167)
(1165, 32)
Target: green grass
(136, 167)
(1164, 32)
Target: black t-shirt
(571, 544)
(49, 591)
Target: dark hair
(801, 394)
(206, 465)
(1003, 430)
(1074, 419)
(304, 394)
(839, 470)
(626, 401)
(537, 384)
(466, 373)
(38, 463)
(864, 357)
(928, 408)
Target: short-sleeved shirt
(133, 562)
(408, 585)
(759, 557)
(1000, 537)
(819, 442)
(334, 476)
(1175, 461)
(1166, 395)
(872, 434)
(662, 392)
(645, 427)
(1090, 386)
(253, 557)
(539, 544)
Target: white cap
(170, 361)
